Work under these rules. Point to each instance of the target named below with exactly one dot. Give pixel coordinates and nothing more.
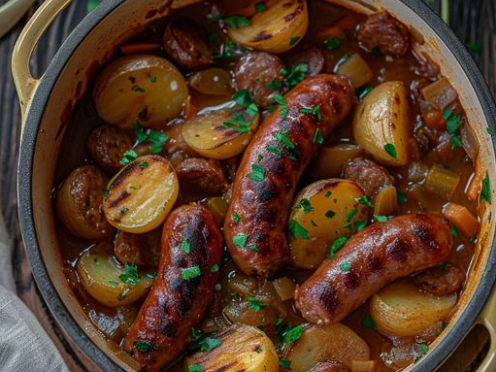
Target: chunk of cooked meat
(309, 55)
(441, 281)
(384, 31)
(107, 145)
(371, 177)
(142, 249)
(205, 175)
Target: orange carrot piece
(462, 219)
(474, 188)
(139, 48)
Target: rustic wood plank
(473, 21)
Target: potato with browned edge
(79, 203)
(141, 195)
(139, 87)
(321, 213)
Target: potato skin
(79, 203)
(263, 206)
(381, 253)
(174, 304)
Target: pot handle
(29, 37)
(488, 320)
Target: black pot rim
(29, 137)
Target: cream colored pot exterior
(127, 19)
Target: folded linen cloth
(24, 345)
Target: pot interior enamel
(118, 20)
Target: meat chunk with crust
(204, 175)
(441, 281)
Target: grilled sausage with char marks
(256, 222)
(378, 255)
(191, 246)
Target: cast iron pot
(46, 104)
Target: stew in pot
(270, 185)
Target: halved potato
(331, 159)
(327, 210)
(79, 203)
(401, 309)
(139, 87)
(243, 348)
(213, 81)
(102, 277)
(319, 344)
(381, 124)
(276, 30)
(141, 195)
(207, 135)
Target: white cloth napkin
(24, 345)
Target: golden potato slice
(319, 344)
(331, 159)
(207, 134)
(401, 309)
(141, 195)
(79, 203)
(139, 87)
(382, 126)
(108, 282)
(276, 30)
(243, 348)
(323, 212)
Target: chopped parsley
(351, 214)
(226, 51)
(453, 231)
(360, 225)
(284, 363)
(312, 111)
(243, 98)
(259, 349)
(274, 85)
(363, 92)
(328, 194)
(240, 240)
(195, 368)
(305, 204)
(129, 157)
(260, 7)
(294, 75)
(474, 47)
(106, 192)
(215, 268)
(401, 196)
(142, 346)
(257, 173)
(144, 165)
(285, 140)
(186, 246)
(297, 231)
(424, 348)
(277, 98)
(294, 40)
(153, 78)
(255, 304)
(486, 190)
(274, 150)
(190, 272)
(391, 150)
(196, 334)
(330, 214)
(364, 200)
(443, 265)
(236, 21)
(130, 275)
(453, 124)
(238, 123)
(336, 246)
(252, 247)
(113, 283)
(318, 138)
(345, 267)
(292, 334)
(209, 343)
(236, 217)
(156, 138)
(490, 131)
(369, 323)
(333, 43)
(381, 218)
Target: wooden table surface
(474, 21)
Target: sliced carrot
(462, 219)
(135, 48)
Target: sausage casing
(175, 304)
(278, 155)
(381, 253)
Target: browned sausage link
(384, 31)
(143, 249)
(329, 366)
(371, 177)
(202, 174)
(186, 43)
(380, 254)
(106, 145)
(271, 167)
(441, 281)
(191, 240)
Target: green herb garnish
(336, 246)
(391, 150)
(142, 346)
(297, 231)
(255, 304)
(257, 173)
(130, 275)
(332, 44)
(190, 272)
(240, 240)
